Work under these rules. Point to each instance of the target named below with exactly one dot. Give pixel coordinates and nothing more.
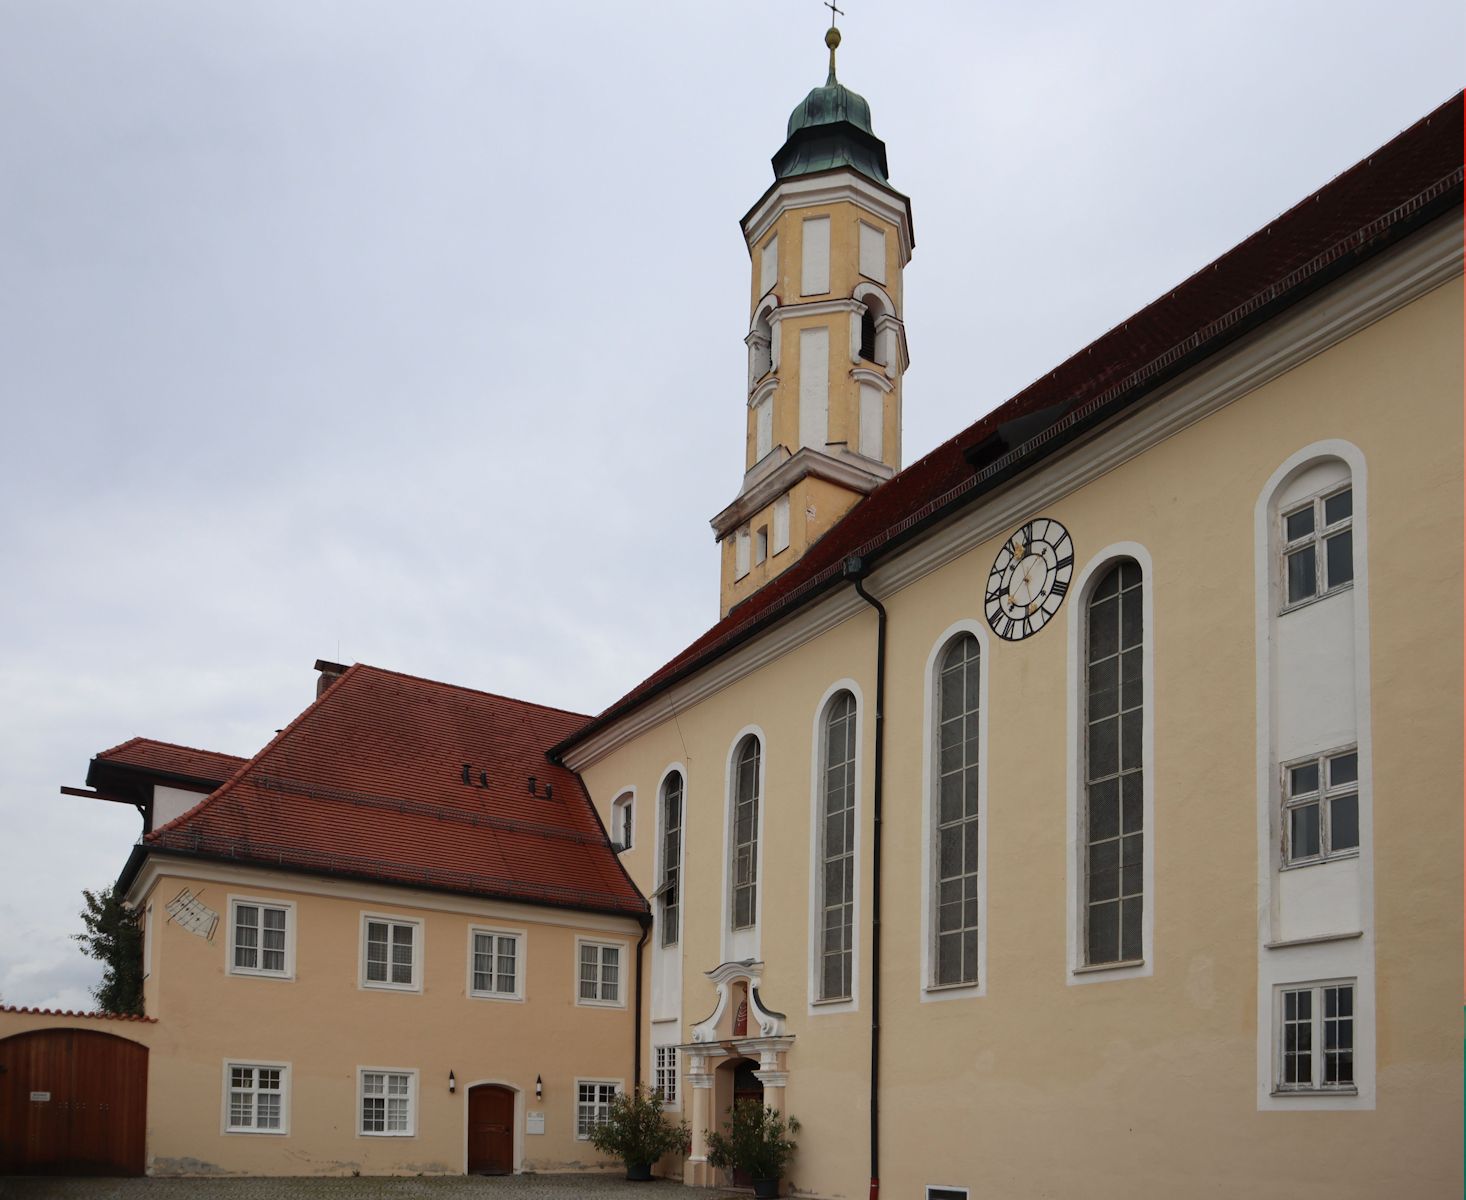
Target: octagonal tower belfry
(828, 242)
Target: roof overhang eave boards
(145, 863)
(830, 187)
(1044, 468)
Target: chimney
(330, 673)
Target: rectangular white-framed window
(256, 1097)
(593, 1104)
(769, 265)
(742, 542)
(664, 1076)
(872, 252)
(1317, 539)
(1314, 1038)
(814, 276)
(598, 973)
(760, 544)
(391, 952)
(496, 963)
(261, 937)
(1321, 808)
(781, 524)
(386, 1104)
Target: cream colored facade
(325, 1026)
(1156, 1078)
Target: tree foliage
(115, 937)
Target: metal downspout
(855, 570)
(646, 931)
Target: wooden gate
(72, 1102)
(490, 1130)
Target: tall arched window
(668, 891)
(868, 333)
(955, 877)
(837, 848)
(746, 762)
(1112, 827)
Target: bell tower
(828, 242)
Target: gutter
(855, 570)
(645, 921)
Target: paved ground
(517, 1187)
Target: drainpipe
(855, 570)
(645, 920)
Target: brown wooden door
(746, 1086)
(490, 1130)
(72, 1102)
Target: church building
(1075, 811)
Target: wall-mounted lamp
(452, 1083)
(539, 1088)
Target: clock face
(1029, 579)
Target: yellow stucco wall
(327, 1026)
(1141, 1086)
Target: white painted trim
(813, 308)
(521, 938)
(888, 306)
(618, 1084)
(876, 379)
(181, 866)
(767, 387)
(1341, 958)
(519, 1119)
(930, 991)
(286, 1083)
(816, 1006)
(419, 948)
(412, 1100)
(148, 941)
(624, 974)
(1077, 970)
(834, 463)
(726, 933)
(1376, 290)
(831, 188)
(288, 974)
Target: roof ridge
(229, 784)
(133, 741)
(461, 687)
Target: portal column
(772, 1075)
(696, 1172)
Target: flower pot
(766, 1189)
(640, 1172)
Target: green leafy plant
(637, 1131)
(757, 1141)
(114, 936)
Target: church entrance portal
(738, 1081)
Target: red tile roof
(147, 754)
(368, 783)
(1414, 178)
(67, 1012)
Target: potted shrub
(638, 1133)
(756, 1142)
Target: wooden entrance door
(72, 1102)
(490, 1130)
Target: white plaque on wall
(534, 1122)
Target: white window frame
(261, 903)
(256, 1065)
(617, 1086)
(495, 931)
(757, 843)
(361, 1074)
(418, 952)
(670, 887)
(1324, 797)
(622, 978)
(671, 1097)
(818, 1006)
(623, 819)
(1317, 1087)
(1316, 537)
(1079, 970)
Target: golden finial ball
(832, 37)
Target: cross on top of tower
(832, 37)
(830, 4)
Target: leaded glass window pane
(956, 826)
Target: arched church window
(868, 333)
(669, 890)
(837, 848)
(746, 763)
(958, 690)
(760, 347)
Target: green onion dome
(830, 128)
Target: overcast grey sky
(412, 333)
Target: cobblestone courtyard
(515, 1187)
